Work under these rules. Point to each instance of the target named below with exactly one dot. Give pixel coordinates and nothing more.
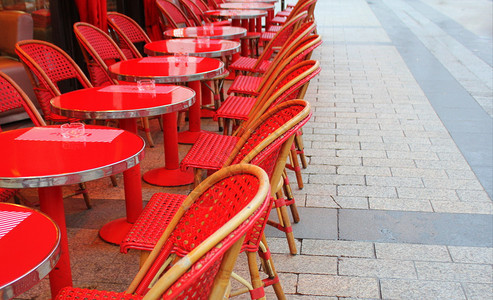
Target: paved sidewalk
(392, 207)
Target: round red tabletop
(122, 102)
(236, 14)
(213, 32)
(40, 157)
(248, 6)
(29, 248)
(167, 69)
(203, 47)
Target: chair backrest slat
(172, 16)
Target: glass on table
(181, 57)
(72, 130)
(146, 85)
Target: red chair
(301, 6)
(195, 254)
(266, 145)
(129, 34)
(100, 51)
(13, 97)
(253, 85)
(196, 9)
(260, 64)
(172, 17)
(48, 68)
(290, 84)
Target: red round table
(173, 69)
(126, 102)
(212, 32)
(269, 7)
(237, 15)
(194, 47)
(29, 248)
(39, 157)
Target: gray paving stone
(414, 289)
(336, 179)
(379, 268)
(400, 204)
(477, 255)
(328, 285)
(366, 191)
(311, 264)
(338, 248)
(462, 207)
(412, 252)
(472, 273)
(394, 181)
(364, 170)
(478, 291)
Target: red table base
(167, 177)
(114, 231)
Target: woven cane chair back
(172, 16)
(304, 6)
(13, 97)
(282, 36)
(290, 85)
(128, 33)
(48, 66)
(281, 60)
(193, 11)
(99, 50)
(223, 208)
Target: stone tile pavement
(380, 158)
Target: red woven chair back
(211, 207)
(128, 33)
(287, 30)
(281, 60)
(99, 50)
(13, 97)
(48, 66)
(201, 5)
(291, 84)
(302, 6)
(172, 16)
(193, 11)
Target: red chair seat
(235, 107)
(274, 28)
(283, 13)
(159, 211)
(279, 20)
(76, 293)
(198, 157)
(267, 36)
(247, 64)
(245, 85)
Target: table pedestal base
(114, 231)
(167, 177)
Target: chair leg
(258, 291)
(113, 180)
(290, 201)
(197, 176)
(298, 140)
(147, 130)
(284, 222)
(85, 194)
(269, 269)
(295, 166)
